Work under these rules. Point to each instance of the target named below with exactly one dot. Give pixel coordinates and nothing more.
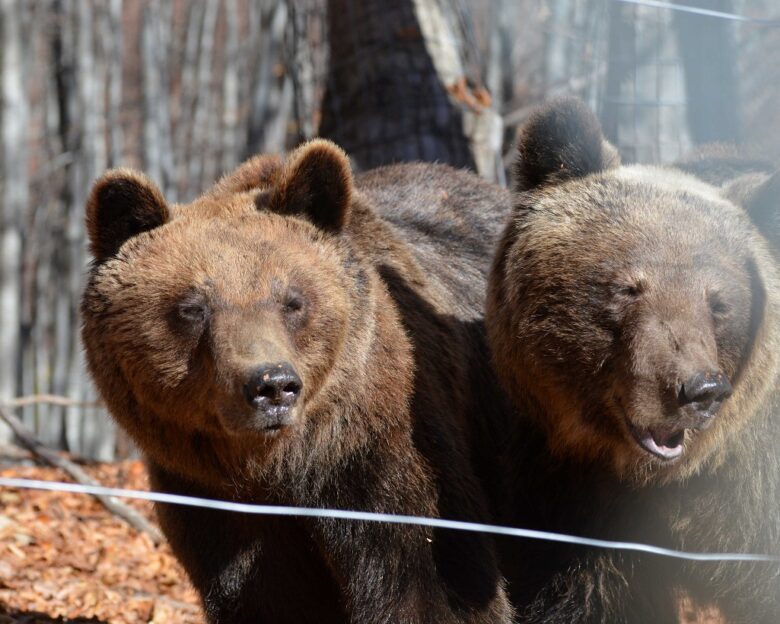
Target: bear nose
(705, 391)
(273, 384)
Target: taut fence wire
(364, 516)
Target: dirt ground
(64, 558)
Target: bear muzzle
(272, 391)
(699, 399)
(701, 396)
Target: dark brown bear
(276, 341)
(633, 317)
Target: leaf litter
(64, 558)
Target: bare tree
(14, 195)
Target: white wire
(363, 516)
(684, 8)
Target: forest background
(187, 89)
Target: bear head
(631, 309)
(227, 318)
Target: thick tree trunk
(396, 89)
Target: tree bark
(270, 95)
(387, 99)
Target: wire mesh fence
(187, 89)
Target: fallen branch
(14, 453)
(53, 458)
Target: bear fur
(632, 313)
(348, 287)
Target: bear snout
(272, 390)
(702, 395)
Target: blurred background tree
(186, 89)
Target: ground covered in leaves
(64, 558)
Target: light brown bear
(278, 341)
(633, 318)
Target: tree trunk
(386, 100)
(14, 196)
(709, 55)
(270, 95)
(621, 68)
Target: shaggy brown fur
(615, 291)
(290, 264)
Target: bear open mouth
(662, 443)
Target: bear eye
(293, 303)
(193, 311)
(628, 291)
(294, 311)
(718, 306)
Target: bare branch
(47, 455)
(50, 399)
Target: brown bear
(753, 183)
(278, 340)
(633, 318)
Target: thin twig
(51, 399)
(14, 453)
(51, 457)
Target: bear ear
(316, 184)
(122, 203)
(561, 141)
(258, 172)
(762, 206)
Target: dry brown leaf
(64, 556)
